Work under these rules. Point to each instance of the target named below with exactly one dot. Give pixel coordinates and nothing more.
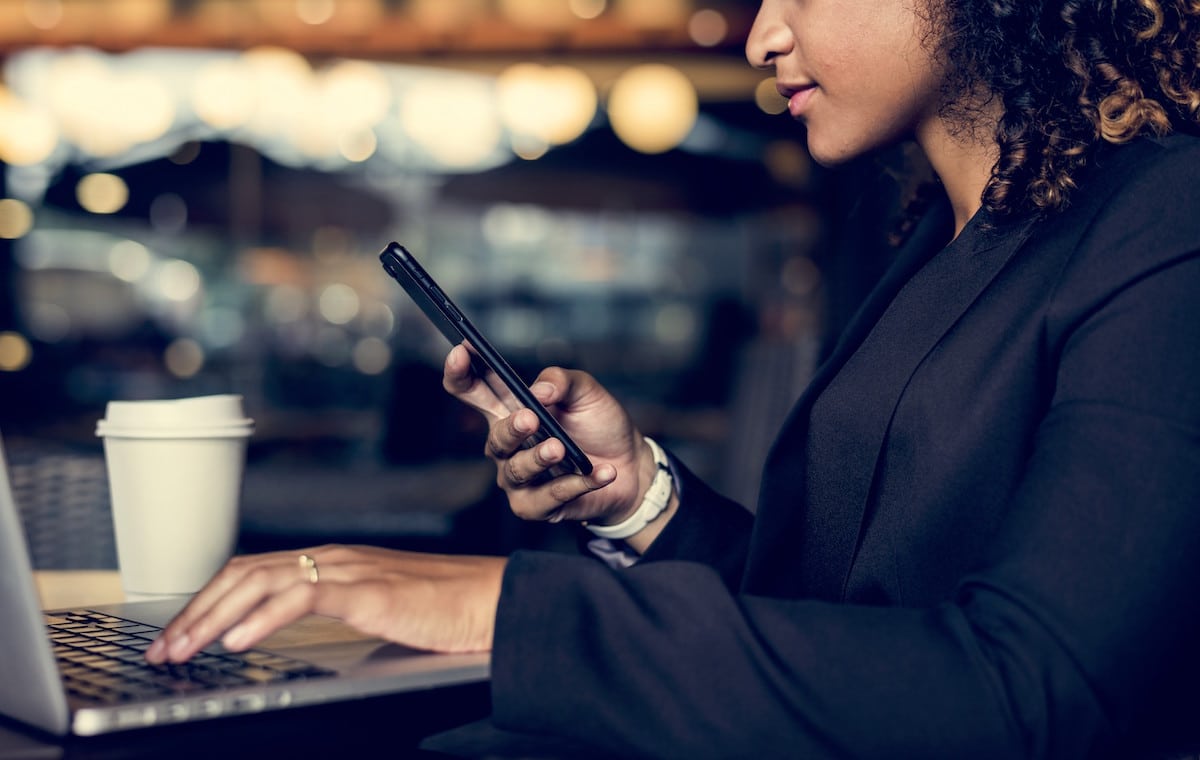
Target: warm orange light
(223, 94)
(767, 98)
(659, 14)
(553, 104)
(44, 14)
(652, 107)
(544, 14)
(708, 28)
(587, 9)
(454, 120)
(16, 218)
(28, 135)
(102, 193)
(15, 352)
(106, 111)
(445, 15)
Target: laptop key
(102, 659)
(138, 628)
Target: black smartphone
(486, 361)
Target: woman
(978, 533)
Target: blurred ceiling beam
(392, 33)
(488, 42)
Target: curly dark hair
(1070, 75)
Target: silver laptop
(80, 672)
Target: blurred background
(195, 192)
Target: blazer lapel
(931, 235)
(819, 479)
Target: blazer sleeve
(708, 528)
(1077, 638)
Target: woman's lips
(798, 98)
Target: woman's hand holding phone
(586, 461)
(487, 362)
(623, 463)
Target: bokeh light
(282, 82)
(767, 97)
(659, 14)
(44, 14)
(378, 320)
(338, 303)
(102, 193)
(223, 96)
(185, 154)
(28, 134)
(371, 356)
(653, 107)
(168, 213)
(707, 28)
(528, 147)
(587, 9)
(16, 218)
(105, 111)
(184, 357)
(177, 280)
(359, 146)
(315, 12)
(543, 14)
(446, 15)
(129, 260)
(15, 352)
(800, 276)
(553, 104)
(454, 119)
(133, 16)
(354, 94)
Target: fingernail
(235, 638)
(154, 652)
(605, 475)
(177, 650)
(541, 389)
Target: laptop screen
(30, 686)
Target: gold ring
(308, 566)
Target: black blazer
(979, 530)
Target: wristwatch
(658, 496)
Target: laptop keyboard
(102, 659)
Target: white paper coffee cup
(175, 477)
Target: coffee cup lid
(197, 411)
(242, 430)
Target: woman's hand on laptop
(623, 463)
(426, 601)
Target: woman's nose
(769, 37)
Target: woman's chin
(833, 153)
(830, 156)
